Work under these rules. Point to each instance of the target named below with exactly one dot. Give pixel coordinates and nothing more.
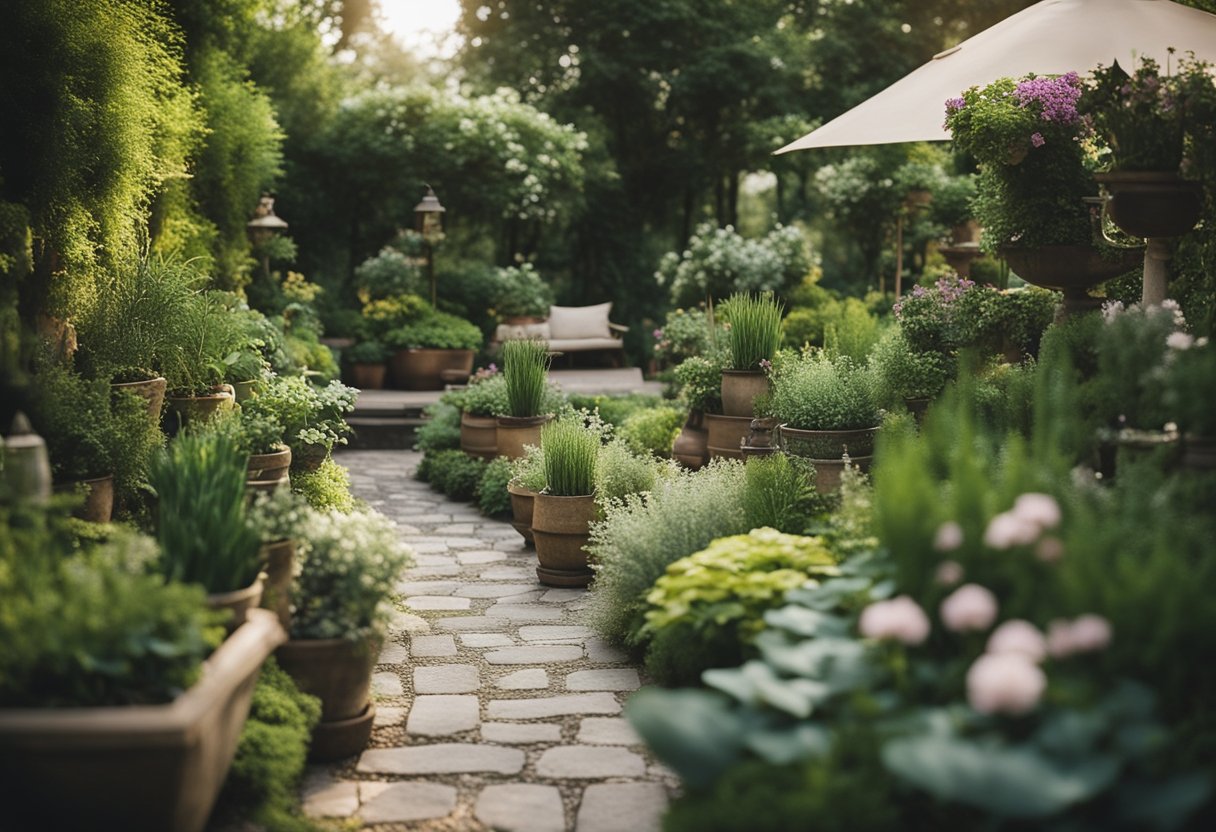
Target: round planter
(201, 408)
(512, 433)
(151, 391)
(522, 501)
(828, 444)
(368, 376)
(724, 435)
(272, 466)
(829, 471)
(691, 448)
(138, 768)
(278, 559)
(1072, 270)
(238, 603)
(739, 390)
(308, 458)
(561, 528)
(1199, 452)
(98, 504)
(1152, 203)
(422, 369)
(244, 390)
(342, 738)
(336, 670)
(479, 435)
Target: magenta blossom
(1037, 139)
(658, 335)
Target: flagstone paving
(497, 706)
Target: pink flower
(1018, 636)
(1008, 529)
(1040, 509)
(1049, 550)
(658, 334)
(949, 572)
(970, 607)
(1087, 634)
(949, 537)
(1005, 683)
(1037, 139)
(900, 618)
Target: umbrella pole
(899, 254)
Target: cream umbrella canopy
(1049, 38)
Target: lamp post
(429, 223)
(263, 227)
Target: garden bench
(571, 329)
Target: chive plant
(755, 329)
(571, 453)
(201, 513)
(525, 364)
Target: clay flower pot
(725, 434)
(739, 389)
(479, 435)
(829, 451)
(522, 503)
(139, 768)
(244, 390)
(272, 466)
(278, 559)
(238, 602)
(422, 369)
(512, 433)
(202, 408)
(308, 458)
(339, 673)
(98, 501)
(561, 529)
(368, 376)
(151, 391)
(691, 448)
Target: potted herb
(109, 716)
(519, 295)
(257, 434)
(908, 377)
(312, 417)
(206, 334)
(367, 365)
(525, 368)
(432, 350)
(278, 518)
(754, 337)
(828, 407)
(706, 433)
(481, 404)
(201, 521)
(527, 480)
(562, 513)
(350, 564)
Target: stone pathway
(497, 708)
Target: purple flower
(1056, 97)
(765, 364)
(1037, 139)
(953, 105)
(658, 335)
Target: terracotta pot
(739, 389)
(422, 369)
(273, 466)
(244, 390)
(1152, 203)
(308, 458)
(151, 391)
(724, 435)
(201, 408)
(828, 444)
(342, 738)
(561, 528)
(238, 602)
(336, 670)
(828, 471)
(479, 435)
(1199, 452)
(278, 559)
(368, 376)
(142, 768)
(98, 499)
(691, 446)
(1072, 270)
(521, 509)
(512, 433)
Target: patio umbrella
(1049, 38)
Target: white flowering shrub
(719, 262)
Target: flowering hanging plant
(1035, 159)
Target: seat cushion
(514, 332)
(578, 344)
(579, 321)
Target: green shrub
(614, 410)
(390, 273)
(845, 327)
(312, 417)
(620, 472)
(437, 331)
(1131, 350)
(652, 431)
(492, 497)
(325, 489)
(455, 473)
(755, 329)
(486, 398)
(709, 606)
(519, 291)
(904, 373)
(700, 381)
(571, 451)
(384, 315)
(525, 365)
(639, 537)
(686, 333)
(440, 432)
(529, 470)
(818, 392)
(780, 493)
(368, 352)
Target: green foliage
(952, 200)
(904, 373)
(455, 473)
(437, 331)
(755, 329)
(529, 471)
(391, 274)
(641, 536)
(819, 392)
(325, 489)
(525, 365)
(570, 457)
(492, 497)
(207, 337)
(718, 262)
(368, 352)
(311, 417)
(383, 315)
(614, 410)
(686, 333)
(349, 566)
(440, 432)
(1190, 373)
(779, 493)
(652, 431)
(201, 514)
(707, 607)
(700, 380)
(519, 291)
(1131, 350)
(487, 397)
(91, 626)
(252, 431)
(619, 472)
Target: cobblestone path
(497, 708)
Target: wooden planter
(339, 672)
(691, 448)
(272, 466)
(522, 502)
(739, 390)
(278, 559)
(561, 529)
(512, 433)
(479, 435)
(151, 391)
(238, 602)
(142, 768)
(422, 369)
(98, 499)
(201, 408)
(724, 435)
(368, 376)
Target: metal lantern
(265, 223)
(24, 462)
(428, 221)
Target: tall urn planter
(691, 448)
(739, 390)
(512, 433)
(1072, 270)
(561, 528)
(98, 506)
(338, 672)
(140, 768)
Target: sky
(416, 22)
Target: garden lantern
(263, 228)
(428, 222)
